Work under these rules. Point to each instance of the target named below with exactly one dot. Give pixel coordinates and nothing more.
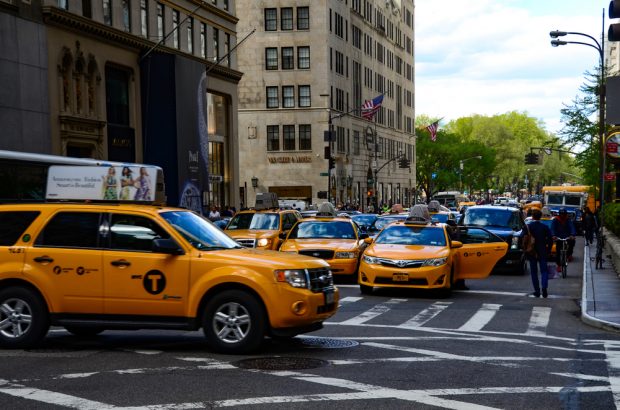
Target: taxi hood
(271, 260)
(251, 233)
(323, 243)
(409, 252)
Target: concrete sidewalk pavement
(600, 297)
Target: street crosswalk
(536, 318)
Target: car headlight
(435, 262)
(515, 243)
(346, 255)
(263, 242)
(371, 260)
(294, 277)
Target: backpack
(529, 243)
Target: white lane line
(426, 315)
(51, 397)
(613, 370)
(349, 299)
(373, 312)
(145, 352)
(580, 376)
(539, 321)
(481, 318)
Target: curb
(585, 317)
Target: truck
(572, 197)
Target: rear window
(499, 218)
(14, 224)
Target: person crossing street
(543, 241)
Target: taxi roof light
(419, 215)
(326, 209)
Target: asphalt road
(487, 347)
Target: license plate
(329, 297)
(400, 277)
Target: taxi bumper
(301, 308)
(428, 277)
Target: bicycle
(562, 244)
(600, 245)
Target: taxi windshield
(255, 221)
(199, 232)
(318, 229)
(440, 217)
(412, 235)
(382, 222)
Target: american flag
(433, 130)
(370, 107)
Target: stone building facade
(312, 65)
(122, 80)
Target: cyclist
(562, 227)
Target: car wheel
(24, 319)
(234, 322)
(81, 331)
(366, 290)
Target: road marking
(349, 299)
(51, 397)
(146, 352)
(583, 377)
(481, 318)
(539, 321)
(373, 312)
(613, 370)
(426, 315)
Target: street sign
(324, 174)
(610, 176)
(612, 148)
(613, 141)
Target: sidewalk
(600, 297)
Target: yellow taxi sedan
(337, 240)
(426, 255)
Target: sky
(489, 57)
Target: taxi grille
(248, 243)
(321, 279)
(412, 281)
(396, 263)
(318, 253)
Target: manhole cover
(327, 343)
(280, 363)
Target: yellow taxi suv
(93, 267)
(337, 240)
(417, 253)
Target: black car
(507, 223)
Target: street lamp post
(601, 118)
(461, 169)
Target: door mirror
(282, 235)
(363, 235)
(456, 244)
(368, 240)
(167, 246)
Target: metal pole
(329, 160)
(601, 121)
(375, 168)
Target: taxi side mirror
(456, 244)
(363, 236)
(368, 240)
(167, 246)
(282, 235)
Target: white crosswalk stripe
(373, 313)
(349, 299)
(539, 321)
(426, 315)
(481, 318)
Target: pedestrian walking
(543, 241)
(589, 225)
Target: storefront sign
(298, 159)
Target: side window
(134, 233)
(289, 221)
(71, 230)
(477, 235)
(13, 225)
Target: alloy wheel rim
(15, 318)
(231, 322)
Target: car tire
(366, 290)
(234, 322)
(82, 331)
(24, 318)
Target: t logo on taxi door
(154, 282)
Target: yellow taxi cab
(418, 253)
(465, 204)
(93, 267)
(262, 226)
(337, 240)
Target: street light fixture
(254, 182)
(461, 169)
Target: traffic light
(369, 193)
(404, 163)
(531, 158)
(613, 33)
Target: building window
(226, 5)
(356, 142)
(175, 28)
(203, 40)
(126, 15)
(271, 58)
(303, 18)
(144, 18)
(271, 19)
(286, 17)
(304, 96)
(303, 57)
(288, 58)
(305, 137)
(227, 48)
(272, 97)
(273, 138)
(63, 4)
(190, 35)
(288, 96)
(216, 47)
(117, 95)
(87, 9)
(160, 21)
(288, 135)
(107, 12)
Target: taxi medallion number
(329, 297)
(400, 277)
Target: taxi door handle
(499, 248)
(121, 262)
(43, 259)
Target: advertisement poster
(105, 183)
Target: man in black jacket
(543, 241)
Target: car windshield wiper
(219, 248)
